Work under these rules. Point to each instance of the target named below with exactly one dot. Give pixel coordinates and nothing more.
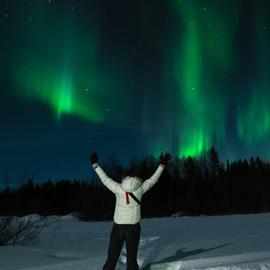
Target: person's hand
(94, 158)
(165, 158)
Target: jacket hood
(130, 184)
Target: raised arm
(147, 184)
(105, 179)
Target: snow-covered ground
(220, 242)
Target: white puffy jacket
(128, 212)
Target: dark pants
(120, 233)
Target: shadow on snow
(181, 253)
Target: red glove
(94, 158)
(164, 158)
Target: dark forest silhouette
(190, 186)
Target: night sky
(130, 77)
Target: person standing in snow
(127, 213)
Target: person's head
(130, 182)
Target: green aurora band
(60, 64)
(203, 57)
(49, 64)
(253, 119)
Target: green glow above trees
(56, 64)
(173, 72)
(202, 57)
(253, 119)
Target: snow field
(215, 243)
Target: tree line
(189, 186)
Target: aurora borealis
(132, 77)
